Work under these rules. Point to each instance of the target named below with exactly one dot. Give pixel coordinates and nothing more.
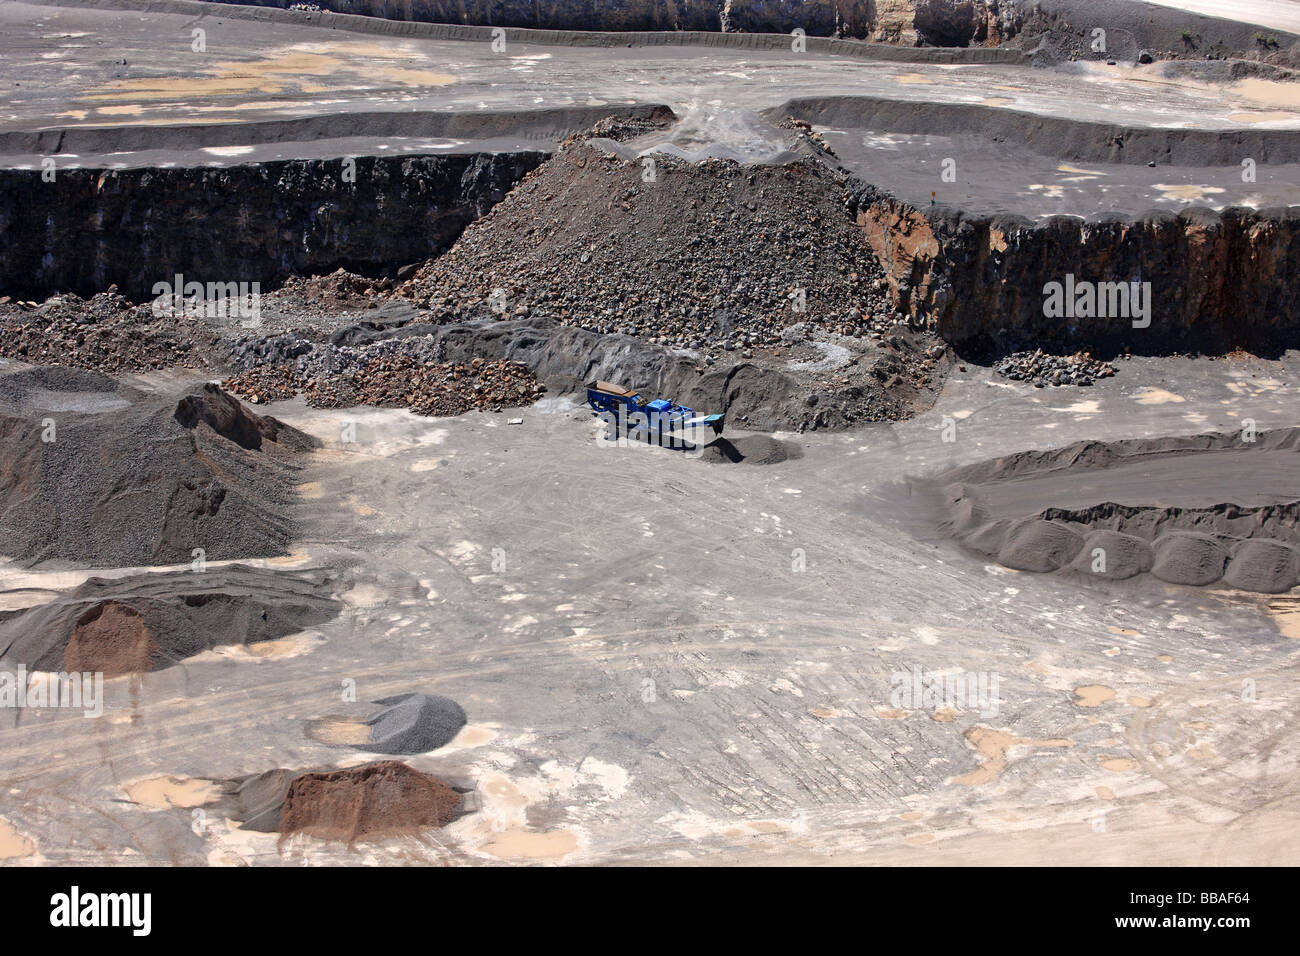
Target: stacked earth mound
(1194, 511)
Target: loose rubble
(106, 333)
(1043, 369)
(392, 374)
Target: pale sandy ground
(666, 662)
(1278, 14)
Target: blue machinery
(659, 422)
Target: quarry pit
(351, 542)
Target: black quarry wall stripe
(260, 222)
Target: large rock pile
(406, 373)
(713, 256)
(1043, 369)
(106, 332)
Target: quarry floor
(667, 661)
(673, 662)
(82, 69)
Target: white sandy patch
(13, 844)
(1157, 396)
(363, 595)
(1088, 407)
(1187, 192)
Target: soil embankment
(1192, 510)
(147, 622)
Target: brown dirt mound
(370, 802)
(110, 638)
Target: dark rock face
(816, 17)
(253, 223)
(1218, 281)
(953, 22)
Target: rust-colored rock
(1219, 280)
(370, 802)
(112, 639)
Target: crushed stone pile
(714, 256)
(1043, 369)
(147, 622)
(172, 473)
(414, 723)
(411, 723)
(340, 290)
(106, 332)
(390, 374)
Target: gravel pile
(805, 130)
(426, 388)
(401, 373)
(338, 291)
(1043, 369)
(411, 723)
(265, 383)
(106, 333)
(1189, 510)
(170, 473)
(620, 128)
(414, 724)
(713, 256)
(309, 359)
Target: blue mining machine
(659, 422)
